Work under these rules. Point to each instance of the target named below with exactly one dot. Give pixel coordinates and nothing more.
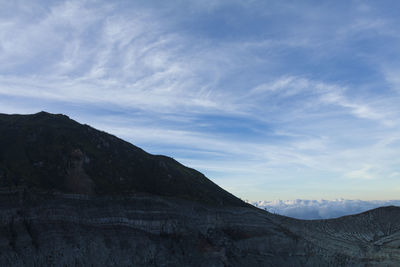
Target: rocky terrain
(74, 196)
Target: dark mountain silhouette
(71, 195)
(53, 152)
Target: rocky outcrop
(76, 178)
(372, 237)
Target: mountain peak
(53, 152)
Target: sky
(269, 99)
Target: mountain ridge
(51, 151)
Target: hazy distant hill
(322, 209)
(71, 195)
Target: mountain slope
(71, 195)
(53, 152)
(371, 237)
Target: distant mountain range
(321, 209)
(75, 196)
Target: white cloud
(133, 61)
(137, 61)
(364, 173)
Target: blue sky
(270, 99)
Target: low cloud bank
(321, 209)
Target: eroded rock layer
(42, 229)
